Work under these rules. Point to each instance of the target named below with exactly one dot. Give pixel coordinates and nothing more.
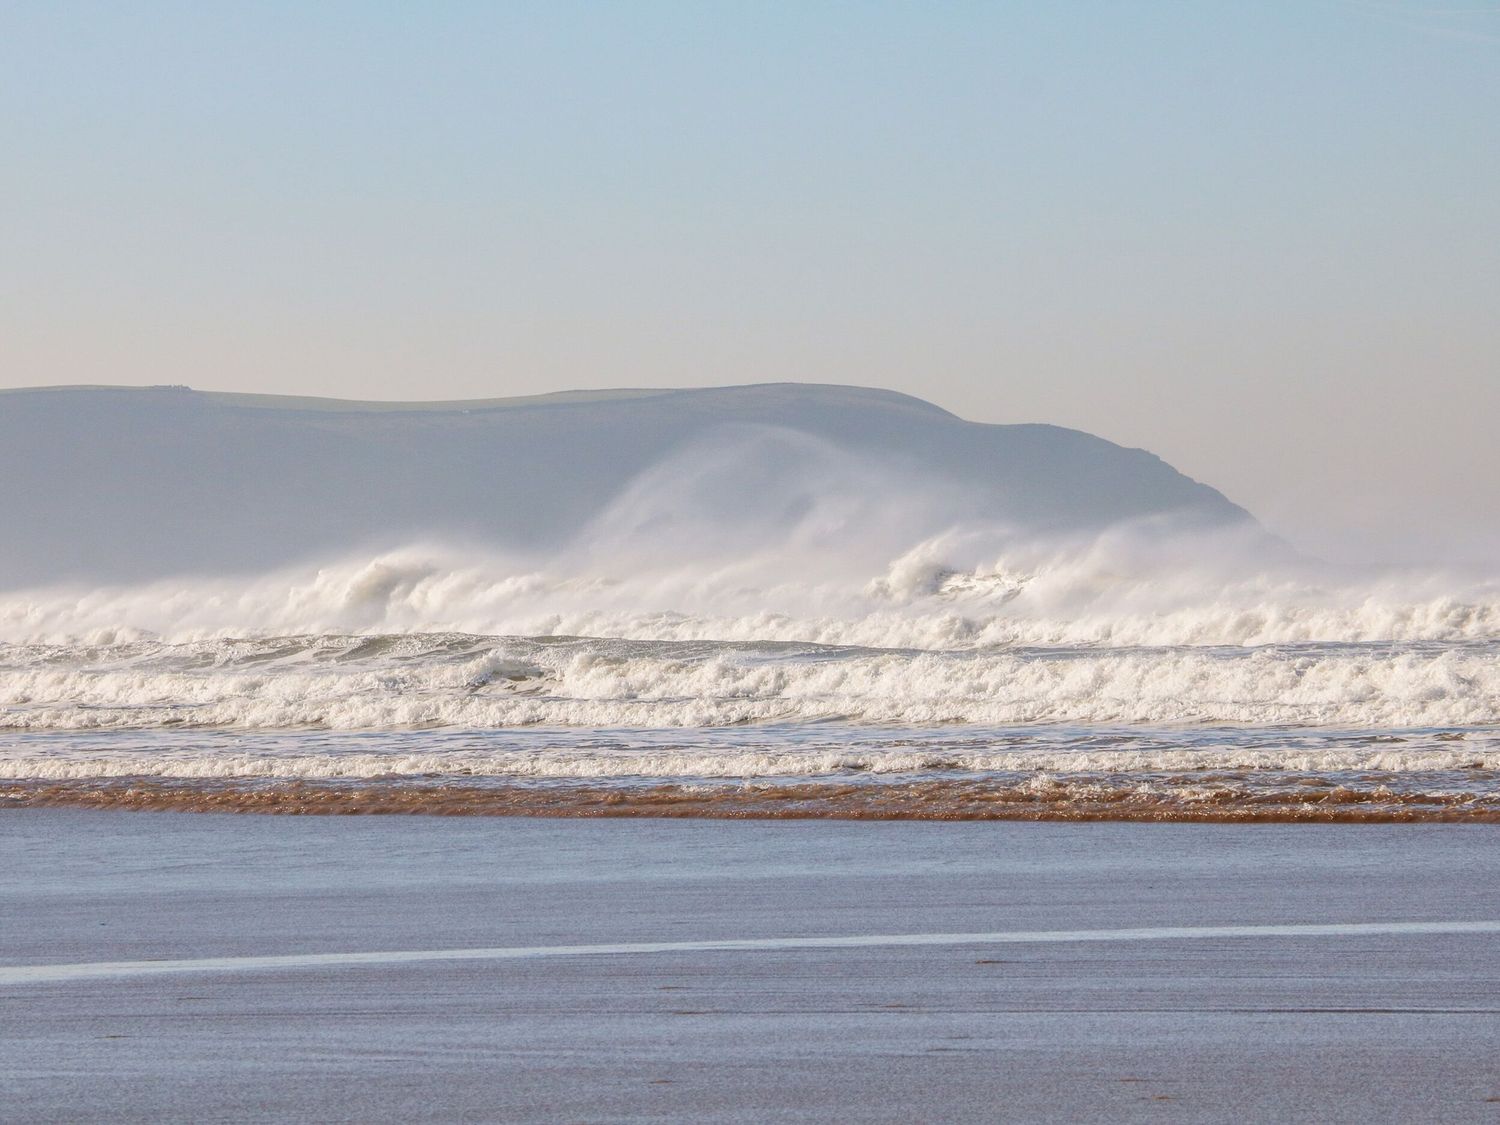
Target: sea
(1083, 681)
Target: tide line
(42, 974)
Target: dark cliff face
(122, 484)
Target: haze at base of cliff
(110, 485)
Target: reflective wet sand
(1291, 972)
(1270, 796)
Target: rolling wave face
(465, 681)
(1135, 588)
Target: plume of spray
(768, 534)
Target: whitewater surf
(758, 602)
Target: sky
(1259, 239)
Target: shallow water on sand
(787, 770)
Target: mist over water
(828, 583)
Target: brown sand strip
(932, 799)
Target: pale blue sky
(1260, 239)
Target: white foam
(353, 683)
(287, 763)
(974, 589)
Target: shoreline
(1116, 799)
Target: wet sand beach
(1263, 796)
(159, 966)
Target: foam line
(47, 974)
(478, 683)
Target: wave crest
(951, 591)
(461, 680)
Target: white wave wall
(1131, 627)
(474, 682)
(958, 590)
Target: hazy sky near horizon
(1259, 239)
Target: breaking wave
(1140, 673)
(466, 681)
(1132, 588)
